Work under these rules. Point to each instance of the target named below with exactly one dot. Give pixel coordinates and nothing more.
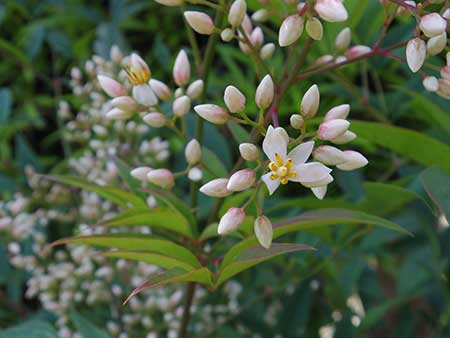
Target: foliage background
(403, 281)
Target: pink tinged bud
(324, 59)
(432, 24)
(155, 119)
(170, 2)
(446, 14)
(227, 35)
(353, 160)
(290, 30)
(343, 39)
(263, 231)
(181, 105)
(140, 173)
(111, 86)
(264, 93)
(216, 188)
(162, 178)
(193, 152)
(118, 114)
(212, 113)
(234, 99)
(249, 151)
(182, 69)
(332, 129)
(241, 180)
(310, 102)
(297, 121)
(319, 192)
(431, 83)
(231, 221)
(257, 37)
(329, 155)
(115, 54)
(340, 59)
(357, 51)
(195, 174)
(126, 103)
(314, 28)
(247, 25)
(144, 95)
(237, 13)
(437, 44)
(416, 51)
(445, 72)
(200, 22)
(444, 88)
(338, 112)
(346, 137)
(261, 15)
(195, 89)
(267, 51)
(331, 10)
(161, 89)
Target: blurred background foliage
(362, 282)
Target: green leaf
(86, 328)
(437, 186)
(255, 255)
(30, 329)
(209, 232)
(5, 104)
(124, 172)
(162, 218)
(214, 165)
(409, 143)
(139, 242)
(239, 133)
(430, 111)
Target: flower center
(281, 170)
(137, 76)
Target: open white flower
(286, 167)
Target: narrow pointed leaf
(437, 186)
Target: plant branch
(188, 299)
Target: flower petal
(272, 185)
(310, 172)
(274, 143)
(301, 152)
(326, 180)
(319, 192)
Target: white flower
(286, 167)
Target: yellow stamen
(284, 180)
(278, 160)
(281, 170)
(137, 77)
(273, 166)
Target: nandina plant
(204, 243)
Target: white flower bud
(125, 103)
(340, 59)
(195, 89)
(338, 112)
(357, 51)
(257, 37)
(263, 231)
(332, 129)
(261, 15)
(267, 51)
(249, 151)
(314, 28)
(431, 83)
(241, 180)
(310, 102)
(416, 51)
(216, 188)
(181, 105)
(170, 2)
(232, 219)
(140, 173)
(353, 160)
(115, 54)
(264, 93)
(237, 13)
(290, 30)
(324, 59)
(319, 192)
(144, 95)
(234, 99)
(178, 92)
(343, 39)
(227, 35)
(193, 152)
(445, 72)
(447, 56)
(432, 24)
(437, 44)
(140, 68)
(155, 119)
(182, 69)
(161, 177)
(195, 174)
(212, 113)
(297, 121)
(118, 114)
(444, 88)
(161, 89)
(111, 86)
(329, 155)
(346, 137)
(200, 22)
(331, 10)
(446, 14)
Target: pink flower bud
(357, 51)
(111, 86)
(331, 10)
(445, 72)
(353, 160)
(263, 231)
(140, 173)
(324, 59)
(310, 102)
(437, 44)
(257, 37)
(195, 89)
(144, 95)
(267, 51)
(264, 93)
(118, 114)
(232, 219)
(237, 13)
(343, 39)
(297, 121)
(155, 119)
(329, 155)
(170, 2)
(161, 89)
(314, 28)
(216, 188)
(416, 51)
(241, 180)
(212, 113)
(338, 112)
(247, 25)
(290, 30)
(432, 24)
(125, 103)
(193, 152)
(234, 99)
(444, 88)
(181, 105)
(195, 174)
(249, 151)
(161, 177)
(431, 83)
(181, 69)
(346, 137)
(200, 22)
(332, 129)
